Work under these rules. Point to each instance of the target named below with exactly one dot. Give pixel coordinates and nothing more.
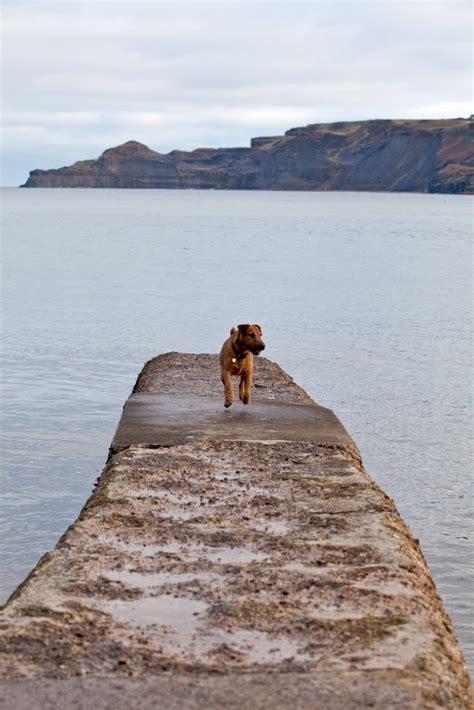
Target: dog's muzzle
(258, 349)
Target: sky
(80, 76)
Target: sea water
(365, 299)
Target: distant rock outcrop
(379, 155)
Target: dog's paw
(227, 404)
(245, 399)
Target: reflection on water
(365, 299)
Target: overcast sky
(81, 76)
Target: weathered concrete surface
(260, 571)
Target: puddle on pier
(304, 569)
(193, 552)
(228, 477)
(274, 527)
(258, 647)
(185, 506)
(147, 580)
(178, 625)
(181, 615)
(185, 513)
(180, 506)
(242, 485)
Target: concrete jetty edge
(236, 558)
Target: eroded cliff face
(381, 155)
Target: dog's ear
(233, 330)
(243, 328)
(259, 329)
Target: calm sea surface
(365, 299)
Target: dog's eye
(252, 335)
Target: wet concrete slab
(170, 419)
(231, 559)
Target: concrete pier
(236, 558)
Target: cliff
(379, 155)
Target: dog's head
(250, 338)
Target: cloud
(81, 76)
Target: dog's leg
(229, 392)
(242, 388)
(245, 387)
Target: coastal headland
(236, 558)
(434, 156)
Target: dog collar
(239, 356)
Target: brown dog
(236, 360)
